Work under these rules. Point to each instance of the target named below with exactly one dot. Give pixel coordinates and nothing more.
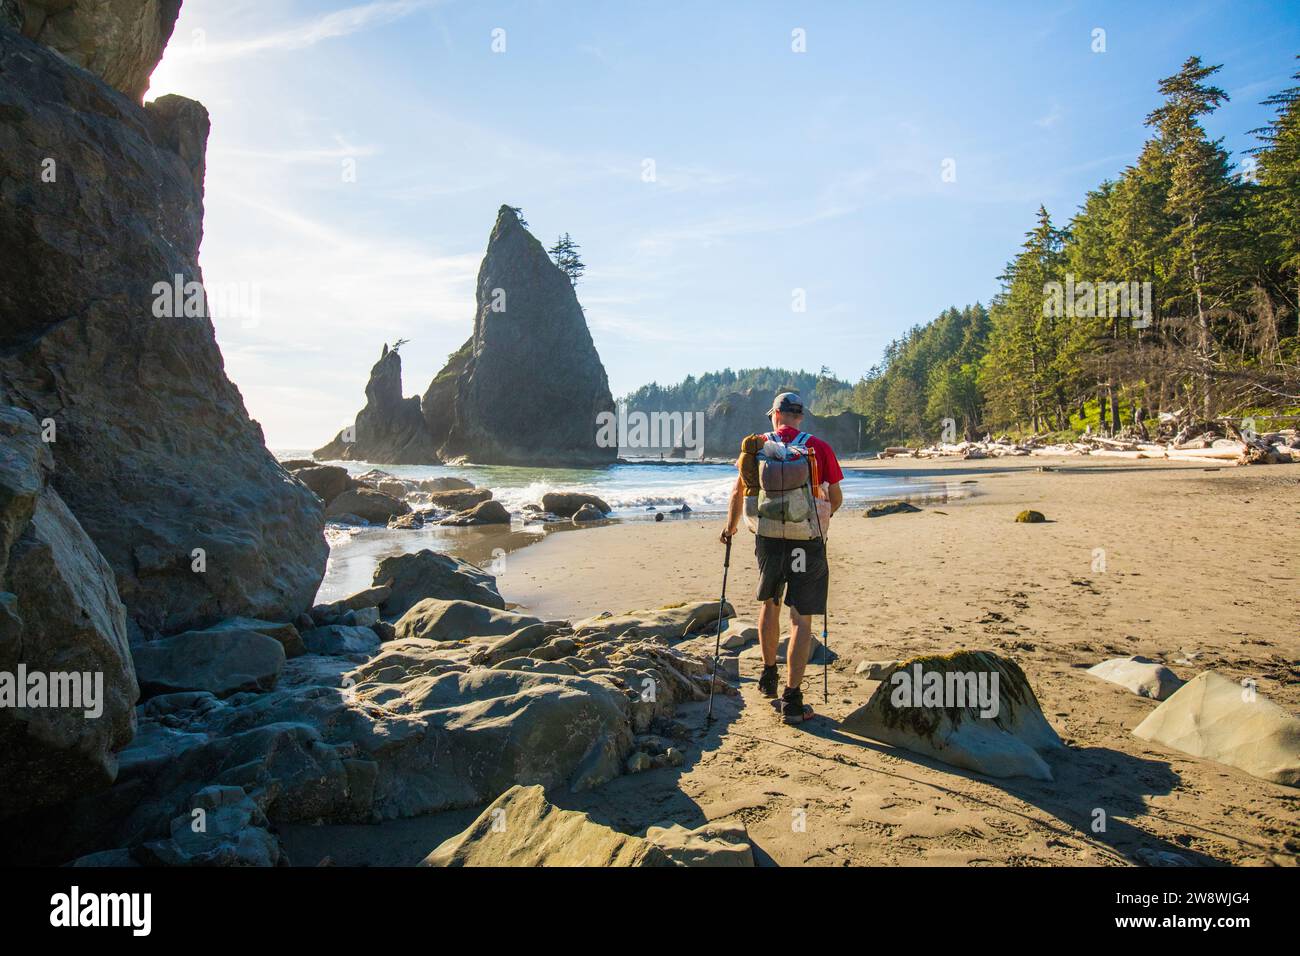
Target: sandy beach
(1195, 569)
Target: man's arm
(733, 511)
(836, 497)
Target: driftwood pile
(1223, 442)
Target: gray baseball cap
(787, 402)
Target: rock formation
(530, 385)
(1213, 717)
(522, 828)
(120, 41)
(930, 705)
(60, 620)
(527, 388)
(390, 429)
(103, 334)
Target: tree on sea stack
(565, 255)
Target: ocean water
(632, 490)
(635, 492)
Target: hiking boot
(793, 709)
(768, 680)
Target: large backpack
(779, 478)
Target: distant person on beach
(787, 489)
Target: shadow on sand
(1087, 779)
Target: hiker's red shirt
(828, 466)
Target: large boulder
(157, 457)
(437, 620)
(531, 355)
(374, 506)
(390, 429)
(971, 709)
(428, 574)
(587, 513)
(486, 512)
(327, 481)
(61, 625)
(120, 41)
(286, 634)
(1141, 675)
(1213, 717)
(568, 503)
(522, 828)
(219, 661)
(459, 500)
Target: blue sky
(773, 170)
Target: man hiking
(788, 487)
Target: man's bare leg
(796, 653)
(769, 630)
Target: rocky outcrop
(668, 623)
(527, 388)
(220, 661)
(327, 481)
(970, 709)
(528, 385)
(390, 428)
(62, 627)
(1213, 717)
(120, 41)
(436, 620)
(413, 577)
(408, 727)
(522, 828)
(156, 454)
(732, 417)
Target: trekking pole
(717, 643)
(826, 638)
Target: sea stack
(155, 453)
(527, 388)
(390, 428)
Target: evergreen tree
(1200, 197)
(565, 255)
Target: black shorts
(796, 567)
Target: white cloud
(1051, 118)
(340, 23)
